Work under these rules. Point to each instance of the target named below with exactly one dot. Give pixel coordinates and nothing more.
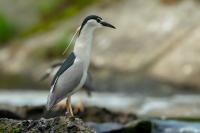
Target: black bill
(107, 24)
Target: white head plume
(73, 37)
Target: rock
(105, 127)
(160, 126)
(92, 113)
(9, 114)
(138, 126)
(58, 124)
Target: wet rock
(58, 124)
(139, 126)
(105, 127)
(160, 126)
(98, 114)
(8, 114)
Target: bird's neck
(83, 45)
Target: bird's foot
(68, 114)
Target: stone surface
(58, 124)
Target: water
(172, 126)
(173, 106)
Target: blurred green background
(153, 40)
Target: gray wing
(65, 84)
(65, 65)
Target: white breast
(82, 50)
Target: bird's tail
(50, 101)
(51, 98)
(49, 104)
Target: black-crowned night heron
(72, 74)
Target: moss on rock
(58, 124)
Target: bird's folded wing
(65, 65)
(66, 84)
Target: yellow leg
(69, 107)
(80, 106)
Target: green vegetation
(49, 12)
(7, 30)
(53, 11)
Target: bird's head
(92, 22)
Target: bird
(72, 74)
(51, 71)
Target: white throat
(83, 45)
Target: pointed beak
(107, 24)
